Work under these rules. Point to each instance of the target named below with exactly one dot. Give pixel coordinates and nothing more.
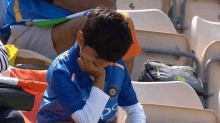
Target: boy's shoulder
(66, 60)
(119, 64)
(64, 63)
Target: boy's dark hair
(108, 33)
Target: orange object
(34, 82)
(135, 48)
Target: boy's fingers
(81, 63)
(85, 62)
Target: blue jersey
(18, 11)
(22, 10)
(69, 88)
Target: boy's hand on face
(97, 72)
(91, 68)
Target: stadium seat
(174, 114)
(143, 4)
(203, 32)
(166, 93)
(151, 20)
(211, 51)
(206, 9)
(160, 40)
(34, 59)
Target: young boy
(88, 82)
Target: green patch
(181, 78)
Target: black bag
(15, 98)
(153, 71)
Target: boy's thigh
(33, 38)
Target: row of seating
(166, 38)
(204, 32)
(175, 99)
(206, 9)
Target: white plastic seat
(160, 40)
(175, 93)
(218, 103)
(213, 50)
(151, 20)
(173, 114)
(203, 32)
(143, 4)
(30, 57)
(206, 9)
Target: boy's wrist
(101, 77)
(99, 82)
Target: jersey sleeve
(127, 95)
(67, 91)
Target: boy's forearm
(135, 113)
(93, 108)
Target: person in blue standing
(89, 81)
(50, 41)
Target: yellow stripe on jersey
(18, 16)
(116, 64)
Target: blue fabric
(31, 9)
(65, 96)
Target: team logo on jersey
(112, 91)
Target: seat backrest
(160, 40)
(151, 20)
(206, 9)
(2, 13)
(203, 32)
(173, 114)
(30, 57)
(167, 93)
(143, 4)
(213, 50)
